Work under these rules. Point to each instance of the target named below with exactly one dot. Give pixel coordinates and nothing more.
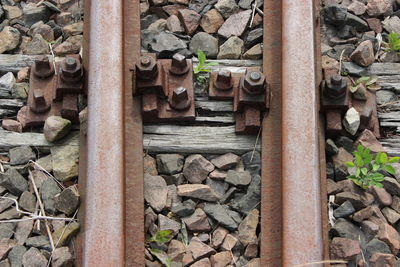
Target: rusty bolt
(223, 80)
(336, 87)
(40, 104)
(42, 68)
(146, 68)
(180, 99)
(254, 82)
(179, 64)
(71, 70)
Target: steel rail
(103, 237)
(302, 239)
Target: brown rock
(255, 52)
(33, 258)
(174, 25)
(12, 12)
(251, 251)
(73, 29)
(391, 215)
(198, 191)
(23, 75)
(363, 55)
(66, 48)
(381, 195)
(354, 198)
(149, 165)
(221, 259)
(217, 175)
(391, 186)
(375, 24)
(199, 249)
(187, 259)
(332, 187)
(158, 2)
(247, 228)
(62, 257)
(182, 2)
(55, 128)
(45, 31)
(11, 125)
(190, 20)
(254, 263)
(329, 63)
(218, 236)
(9, 39)
(368, 140)
(369, 228)
(176, 250)
(197, 168)
(357, 8)
(376, 8)
(198, 221)
(5, 246)
(229, 243)
(211, 21)
(155, 191)
(390, 236)
(382, 260)
(258, 20)
(64, 18)
(144, 8)
(341, 157)
(152, 263)
(173, 9)
(372, 213)
(344, 248)
(226, 161)
(395, 203)
(202, 263)
(235, 24)
(165, 223)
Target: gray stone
(33, 258)
(330, 147)
(352, 68)
(351, 121)
(165, 223)
(344, 210)
(65, 162)
(169, 163)
(238, 178)
(219, 213)
(15, 255)
(9, 39)
(345, 142)
(392, 24)
(23, 231)
(344, 228)
(27, 201)
(198, 5)
(41, 242)
(158, 26)
(231, 49)
(62, 257)
(374, 246)
(7, 83)
(334, 14)
(21, 155)
(55, 128)
(155, 192)
(184, 209)
(48, 192)
(235, 25)
(341, 173)
(247, 4)
(197, 168)
(67, 201)
(13, 182)
(147, 20)
(391, 186)
(251, 158)
(226, 7)
(37, 46)
(163, 44)
(244, 204)
(385, 96)
(356, 22)
(6, 230)
(206, 43)
(255, 52)
(254, 37)
(45, 163)
(33, 15)
(219, 187)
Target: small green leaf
(378, 158)
(211, 64)
(364, 171)
(384, 158)
(371, 81)
(375, 167)
(363, 79)
(359, 161)
(201, 56)
(389, 169)
(349, 164)
(358, 172)
(394, 159)
(162, 256)
(360, 149)
(354, 89)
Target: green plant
(202, 67)
(367, 169)
(160, 238)
(394, 42)
(368, 82)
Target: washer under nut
(180, 99)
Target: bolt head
(336, 79)
(336, 86)
(71, 69)
(70, 63)
(179, 64)
(146, 68)
(43, 68)
(180, 99)
(254, 82)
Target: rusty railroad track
(292, 217)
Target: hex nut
(254, 82)
(146, 68)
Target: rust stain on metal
(271, 228)
(302, 240)
(133, 137)
(223, 84)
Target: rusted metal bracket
(336, 99)
(53, 92)
(166, 86)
